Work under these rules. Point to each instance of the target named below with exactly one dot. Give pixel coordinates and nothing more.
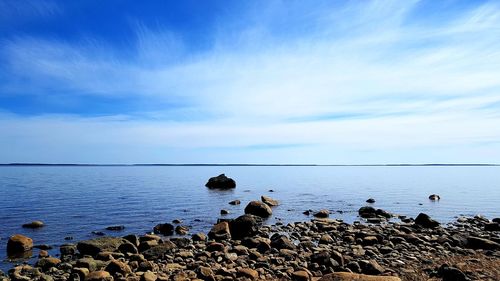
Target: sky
(323, 82)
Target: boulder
(220, 231)
(221, 182)
(159, 251)
(322, 213)
(104, 244)
(425, 221)
(481, 243)
(301, 275)
(367, 212)
(205, 273)
(370, 200)
(33, 224)
(449, 273)
(224, 212)
(346, 276)
(19, 244)
(258, 208)
(434, 197)
(269, 201)
(281, 242)
(164, 228)
(244, 226)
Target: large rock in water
(19, 244)
(33, 224)
(221, 182)
(104, 244)
(244, 226)
(258, 208)
(269, 201)
(425, 221)
(345, 276)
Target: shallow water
(74, 201)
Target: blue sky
(327, 82)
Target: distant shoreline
(247, 165)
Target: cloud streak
(362, 76)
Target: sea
(75, 201)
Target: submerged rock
(258, 208)
(34, 224)
(370, 200)
(235, 202)
(221, 182)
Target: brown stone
(99, 276)
(248, 273)
(116, 266)
(220, 231)
(345, 276)
(33, 224)
(18, 244)
(301, 275)
(269, 201)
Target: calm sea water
(74, 201)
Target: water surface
(74, 201)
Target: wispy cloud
(365, 75)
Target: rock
(281, 242)
(371, 267)
(99, 276)
(19, 244)
(224, 212)
(235, 202)
(269, 201)
(80, 272)
(221, 182)
(43, 247)
(370, 200)
(148, 276)
(434, 197)
(325, 239)
(98, 233)
(116, 266)
(482, 243)
(382, 213)
(46, 263)
(258, 208)
(104, 244)
(301, 275)
(181, 230)
(159, 251)
(248, 273)
(199, 237)
(425, 221)
(497, 220)
(67, 249)
(115, 227)
(367, 212)
(205, 273)
(322, 213)
(494, 226)
(34, 224)
(216, 247)
(128, 248)
(451, 273)
(164, 228)
(346, 276)
(43, 254)
(244, 226)
(220, 231)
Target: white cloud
(402, 86)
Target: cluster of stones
(244, 249)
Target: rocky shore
(376, 248)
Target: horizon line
(245, 164)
